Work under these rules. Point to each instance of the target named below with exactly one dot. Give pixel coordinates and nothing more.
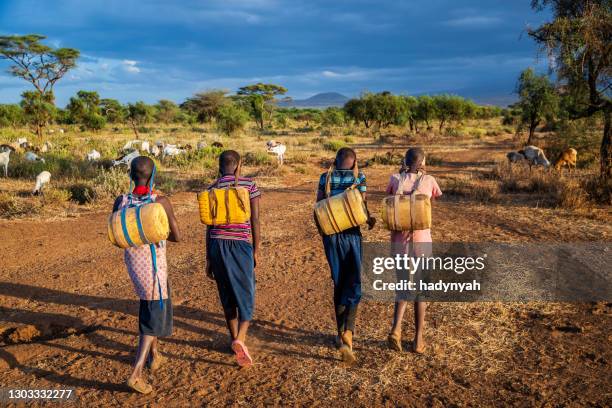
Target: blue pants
(343, 252)
(233, 267)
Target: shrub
(197, 159)
(56, 196)
(334, 145)
(11, 206)
(82, 193)
(110, 183)
(299, 158)
(257, 159)
(231, 118)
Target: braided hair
(413, 161)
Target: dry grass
(556, 189)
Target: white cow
(31, 157)
(535, 156)
(41, 180)
(93, 155)
(126, 159)
(278, 149)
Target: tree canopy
(35, 62)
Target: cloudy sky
(163, 49)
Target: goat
(5, 156)
(515, 157)
(568, 157)
(217, 144)
(535, 156)
(172, 150)
(61, 131)
(93, 155)
(31, 156)
(126, 159)
(155, 151)
(41, 180)
(130, 145)
(278, 149)
(46, 147)
(145, 146)
(22, 141)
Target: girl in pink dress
(420, 240)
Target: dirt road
(68, 318)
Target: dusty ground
(68, 315)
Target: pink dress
(140, 265)
(428, 186)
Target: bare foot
(156, 360)
(394, 342)
(347, 355)
(418, 346)
(139, 385)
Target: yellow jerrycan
(407, 212)
(138, 225)
(228, 205)
(343, 211)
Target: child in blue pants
(343, 252)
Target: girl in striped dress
(155, 312)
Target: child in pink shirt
(412, 170)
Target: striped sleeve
(254, 192)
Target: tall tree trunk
(606, 148)
(532, 127)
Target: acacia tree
(112, 110)
(138, 114)
(538, 100)
(425, 110)
(38, 109)
(578, 40)
(84, 108)
(260, 98)
(205, 106)
(166, 111)
(40, 65)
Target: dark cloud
(152, 49)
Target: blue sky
(163, 49)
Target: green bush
(334, 145)
(231, 118)
(257, 159)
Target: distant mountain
(321, 100)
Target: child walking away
(343, 250)
(148, 270)
(230, 256)
(412, 179)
